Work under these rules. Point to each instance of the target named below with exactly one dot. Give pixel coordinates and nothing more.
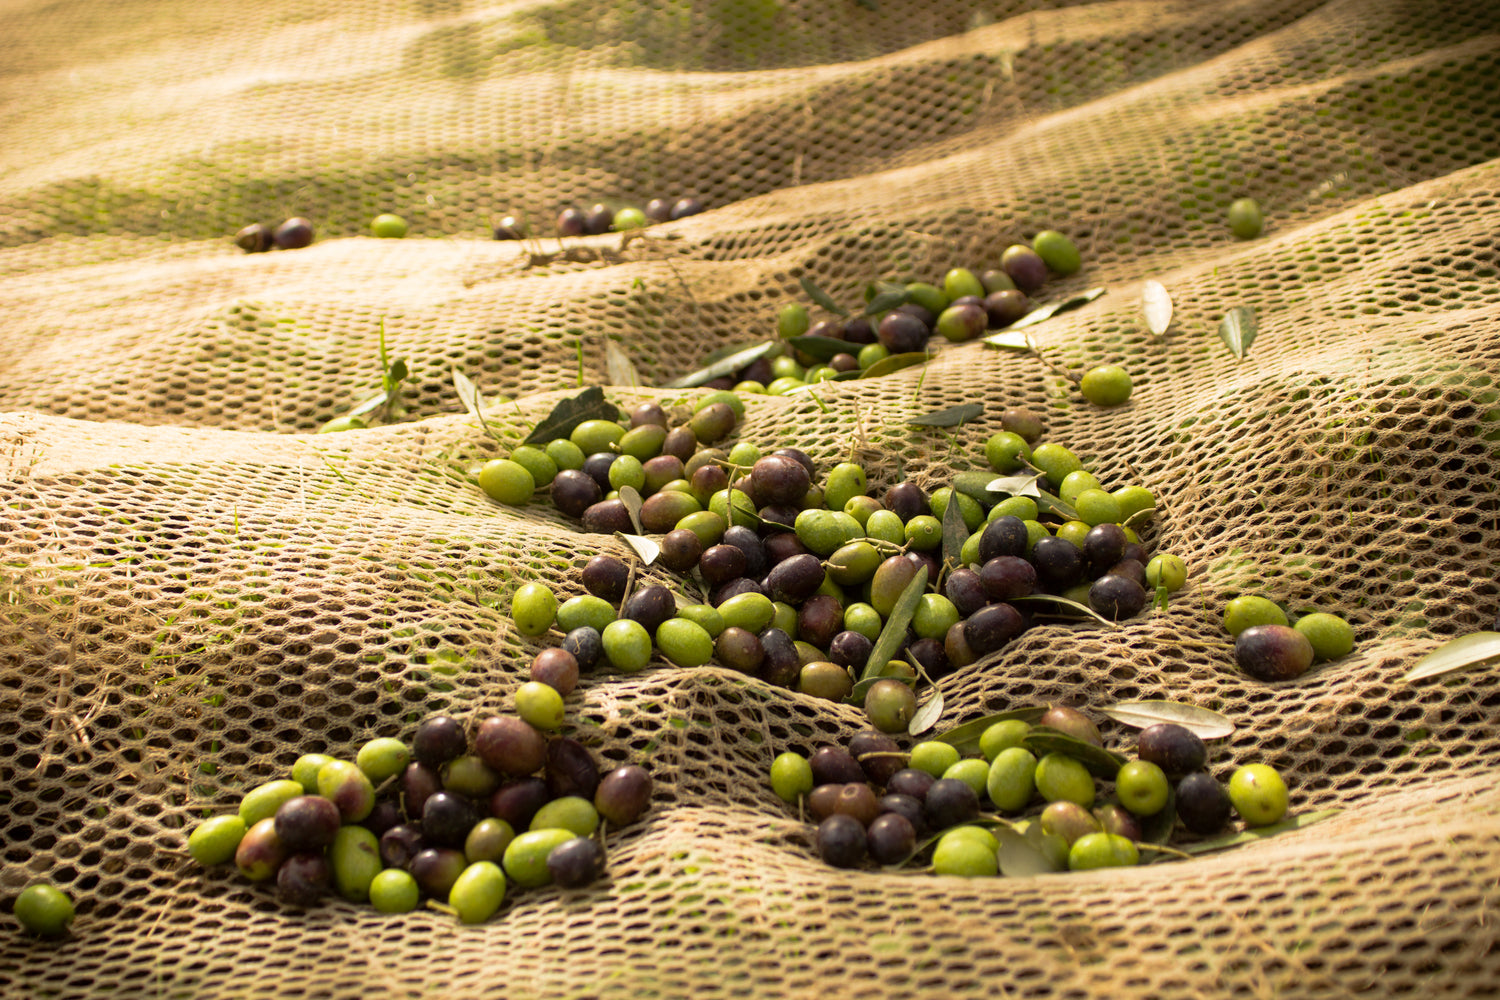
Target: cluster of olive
(459, 824)
(574, 221)
(293, 234)
(874, 800)
(1268, 648)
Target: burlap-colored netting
(194, 590)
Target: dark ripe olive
(386, 814)
(303, 879)
(841, 841)
(758, 370)
(510, 745)
(891, 839)
(859, 331)
(965, 589)
(510, 228)
(782, 666)
(820, 619)
(623, 795)
(920, 313)
(1025, 267)
(950, 802)
(830, 328)
(902, 333)
(1004, 536)
(307, 823)
(607, 517)
(878, 754)
(746, 484)
(821, 799)
(747, 541)
(436, 869)
(681, 548)
(796, 579)
(596, 466)
(684, 207)
(956, 647)
(650, 606)
(648, 413)
(928, 559)
(1116, 819)
(833, 765)
(1136, 551)
(574, 491)
(437, 741)
(570, 222)
(469, 776)
(910, 782)
(518, 801)
(1130, 569)
(702, 457)
(722, 382)
(908, 807)
(721, 563)
(706, 480)
(962, 321)
(597, 220)
(858, 800)
(1006, 578)
(417, 782)
(780, 479)
(576, 863)
(968, 300)
(781, 546)
(293, 234)
(850, 649)
(1273, 652)
(1072, 722)
(400, 844)
(1103, 546)
(570, 769)
(991, 627)
(734, 588)
(447, 819)
(712, 422)
(843, 362)
(825, 679)
(1202, 803)
(739, 649)
(930, 655)
(660, 471)
(1005, 307)
(659, 210)
(606, 577)
(802, 458)
(680, 444)
(586, 645)
(557, 668)
(1117, 597)
(1058, 562)
(254, 238)
(1175, 749)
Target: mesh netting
(195, 590)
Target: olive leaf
(965, 737)
(1238, 329)
(821, 348)
(926, 717)
(895, 363)
(1016, 486)
(955, 530)
(1158, 306)
(885, 301)
(468, 394)
(1140, 517)
(1163, 597)
(1019, 857)
(1101, 763)
(631, 498)
(726, 364)
(877, 288)
(1157, 828)
(369, 404)
(396, 373)
(1010, 341)
(894, 631)
(1054, 599)
(1046, 503)
(975, 485)
(951, 417)
(618, 366)
(643, 546)
(1046, 312)
(821, 297)
(1250, 836)
(1205, 724)
(565, 417)
(1480, 649)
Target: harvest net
(196, 590)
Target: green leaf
(975, 485)
(468, 394)
(1101, 763)
(927, 716)
(369, 404)
(1157, 304)
(643, 546)
(631, 498)
(885, 301)
(966, 737)
(951, 417)
(1009, 341)
(1046, 503)
(1480, 649)
(895, 363)
(396, 374)
(726, 364)
(565, 417)
(955, 531)
(1016, 486)
(894, 631)
(1018, 856)
(1237, 329)
(1046, 312)
(1054, 599)
(1205, 724)
(1140, 517)
(821, 348)
(1163, 598)
(618, 367)
(821, 297)
(1157, 828)
(1299, 822)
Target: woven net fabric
(194, 589)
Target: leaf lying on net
(951, 417)
(1205, 724)
(643, 546)
(618, 366)
(1237, 329)
(726, 364)
(1480, 649)
(927, 716)
(368, 405)
(1054, 599)
(1016, 486)
(885, 301)
(1019, 857)
(468, 394)
(1101, 763)
(821, 348)
(1299, 822)
(1008, 340)
(821, 297)
(965, 738)
(955, 530)
(895, 363)
(1158, 306)
(1046, 312)
(894, 631)
(565, 417)
(631, 498)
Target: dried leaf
(369, 404)
(716, 367)
(618, 366)
(1019, 857)
(1046, 312)
(1250, 836)
(643, 546)
(468, 394)
(821, 297)
(1206, 724)
(895, 363)
(565, 417)
(955, 531)
(951, 417)
(631, 498)
(1054, 599)
(966, 737)
(926, 716)
(1101, 763)
(820, 348)
(1480, 649)
(894, 631)
(1016, 486)
(1009, 340)
(885, 301)
(1158, 305)
(1238, 328)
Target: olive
(739, 649)
(841, 841)
(685, 207)
(1117, 597)
(878, 755)
(254, 238)
(825, 679)
(597, 220)
(510, 228)
(343, 783)
(575, 863)
(303, 879)
(478, 891)
(931, 656)
(850, 649)
(680, 550)
(910, 782)
(1058, 562)
(1203, 804)
(991, 627)
(623, 795)
(664, 511)
(1069, 820)
(585, 645)
(721, 563)
(950, 802)
(782, 666)
(307, 823)
(510, 745)
(832, 765)
(293, 234)
(518, 801)
(260, 852)
(1175, 749)
(796, 579)
(781, 546)
(436, 869)
(417, 782)
(607, 517)
(447, 819)
(650, 606)
(820, 619)
(680, 443)
(1273, 652)
(1005, 578)
(571, 222)
(400, 844)
(1025, 267)
(890, 705)
(659, 210)
(570, 769)
(902, 333)
(891, 838)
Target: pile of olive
(876, 801)
(455, 821)
(1268, 647)
(293, 234)
(573, 221)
